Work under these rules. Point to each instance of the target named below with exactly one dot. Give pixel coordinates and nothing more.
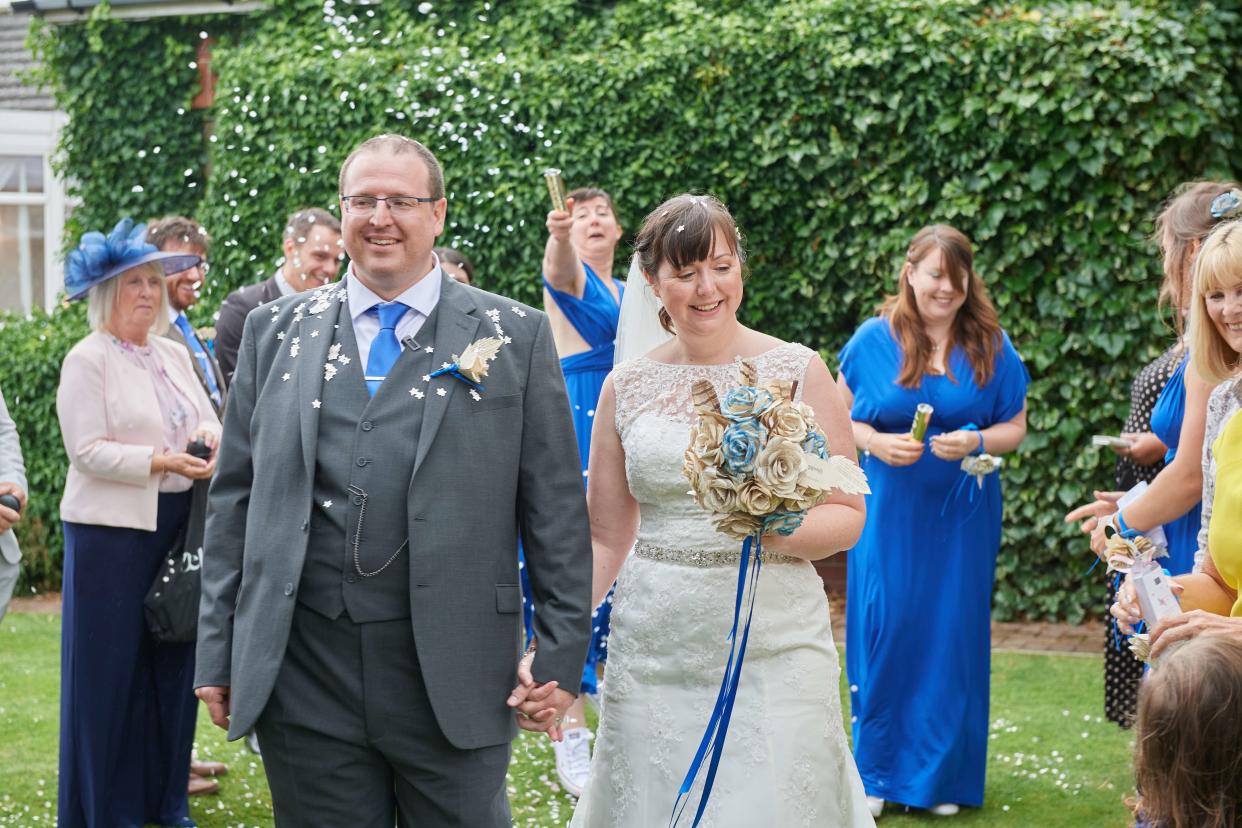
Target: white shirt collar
(282, 284)
(422, 296)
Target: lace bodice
(654, 416)
(1225, 401)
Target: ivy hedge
(1049, 133)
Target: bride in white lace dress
(786, 762)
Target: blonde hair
(1218, 266)
(101, 300)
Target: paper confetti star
(293, 349)
(429, 349)
(315, 403)
(334, 351)
(444, 364)
(285, 377)
(327, 504)
(296, 340)
(343, 360)
(314, 334)
(440, 392)
(475, 395)
(518, 310)
(280, 335)
(414, 392)
(426, 377)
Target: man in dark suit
(177, 234)
(361, 603)
(312, 258)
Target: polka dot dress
(1122, 671)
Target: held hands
(1144, 449)
(954, 445)
(539, 707)
(1128, 613)
(895, 449)
(217, 701)
(560, 222)
(1090, 517)
(7, 516)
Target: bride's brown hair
(682, 230)
(976, 328)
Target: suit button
(367, 425)
(288, 589)
(357, 500)
(362, 461)
(350, 579)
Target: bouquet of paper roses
(758, 461)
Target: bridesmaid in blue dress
(1180, 415)
(583, 303)
(919, 584)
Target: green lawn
(1052, 762)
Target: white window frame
(24, 132)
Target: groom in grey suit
(361, 603)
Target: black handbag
(171, 605)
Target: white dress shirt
(421, 298)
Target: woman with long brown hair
(919, 599)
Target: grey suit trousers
(349, 736)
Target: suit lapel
(323, 310)
(456, 326)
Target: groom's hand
(217, 701)
(539, 707)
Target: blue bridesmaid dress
(594, 317)
(1166, 423)
(919, 582)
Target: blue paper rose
(782, 523)
(740, 444)
(745, 403)
(816, 444)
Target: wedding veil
(638, 330)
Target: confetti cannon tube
(556, 188)
(922, 417)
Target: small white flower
(285, 377)
(327, 504)
(440, 392)
(315, 403)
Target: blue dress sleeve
(858, 360)
(1008, 384)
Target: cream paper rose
(753, 499)
(705, 440)
(780, 465)
(717, 492)
(804, 499)
(783, 419)
(738, 525)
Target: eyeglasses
(203, 268)
(397, 205)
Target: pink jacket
(111, 423)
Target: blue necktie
(385, 348)
(200, 354)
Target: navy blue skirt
(127, 705)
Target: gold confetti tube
(922, 417)
(556, 188)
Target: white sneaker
(573, 760)
(944, 809)
(876, 805)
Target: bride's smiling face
(702, 296)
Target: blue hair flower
(1227, 205)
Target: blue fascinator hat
(98, 258)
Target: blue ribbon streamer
(454, 370)
(718, 725)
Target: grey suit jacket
(232, 318)
(484, 471)
(12, 470)
(174, 333)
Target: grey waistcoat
(365, 459)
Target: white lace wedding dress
(786, 763)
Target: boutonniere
(471, 366)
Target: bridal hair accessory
(758, 462)
(98, 258)
(1227, 205)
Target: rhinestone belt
(703, 557)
